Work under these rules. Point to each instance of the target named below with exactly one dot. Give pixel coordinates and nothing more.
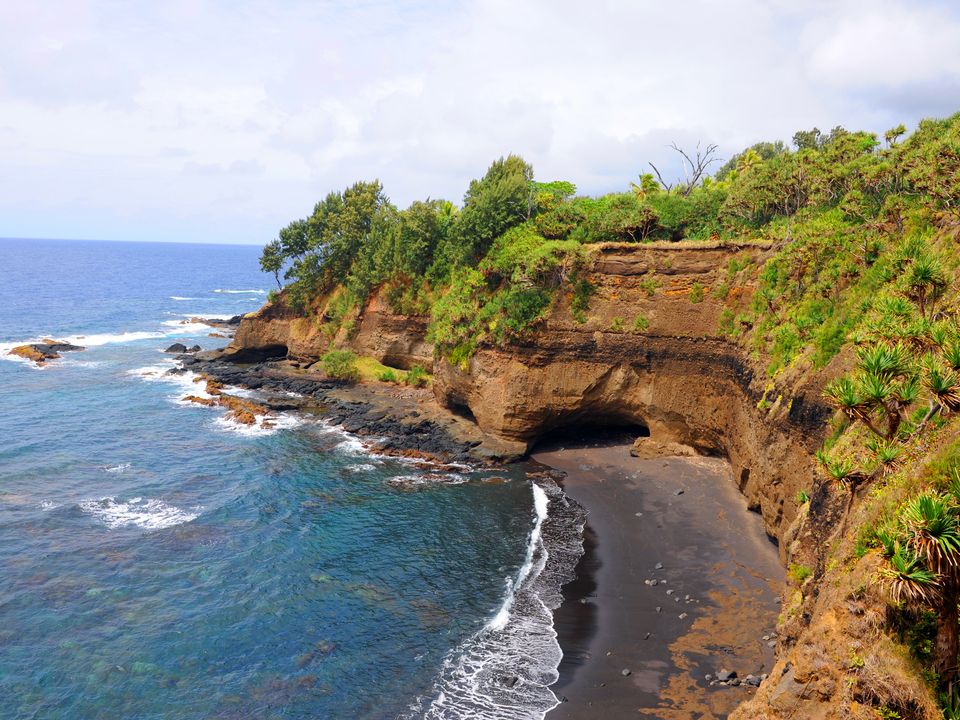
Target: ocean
(159, 561)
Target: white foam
(92, 340)
(99, 339)
(361, 467)
(185, 382)
(47, 505)
(352, 446)
(540, 505)
(181, 327)
(275, 423)
(149, 514)
(117, 469)
(208, 316)
(505, 669)
(72, 361)
(240, 292)
(180, 298)
(418, 480)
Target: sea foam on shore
(505, 669)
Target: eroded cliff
(656, 349)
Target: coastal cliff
(677, 375)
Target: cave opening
(259, 354)
(591, 431)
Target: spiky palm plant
(843, 393)
(886, 362)
(945, 388)
(931, 522)
(942, 334)
(907, 580)
(951, 353)
(922, 548)
(925, 282)
(886, 453)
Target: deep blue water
(157, 562)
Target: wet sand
(719, 568)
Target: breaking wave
(505, 669)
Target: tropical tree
(271, 260)
(885, 384)
(647, 186)
(894, 133)
(922, 549)
(925, 283)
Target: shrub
(649, 285)
(341, 365)
(640, 324)
(696, 293)
(387, 375)
(799, 573)
(417, 377)
(616, 325)
(582, 290)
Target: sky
(206, 121)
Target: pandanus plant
(885, 385)
(922, 550)
(925, 283)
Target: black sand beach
(714, 599)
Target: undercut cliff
(657, 348)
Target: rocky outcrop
(276, 331)
(41, 352)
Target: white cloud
(212, 121)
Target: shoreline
(715, 597)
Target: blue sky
(221, 121)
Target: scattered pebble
(670, 591)
(659, 608)
(678, 492)
(682, 616)
(625, 672)
(658, 566)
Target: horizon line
(116, 240)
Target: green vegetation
(799, 573)
(341, 365)
(417, 377)
(387, 376)
(852, 222)
(922, 548)
(696, 293)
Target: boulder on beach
(647, 447)
(176, 348)
(42, 351)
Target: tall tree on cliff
(492, 205)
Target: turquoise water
(159, 562)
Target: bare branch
(666, 186)
(694, 168)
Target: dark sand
(712, 549)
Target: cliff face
(276, 331)
(674, 374)
(651, 353)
